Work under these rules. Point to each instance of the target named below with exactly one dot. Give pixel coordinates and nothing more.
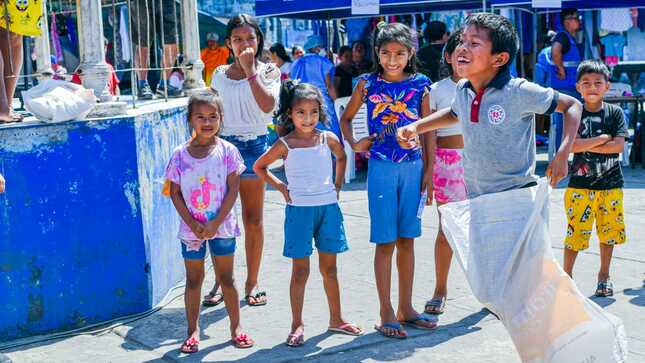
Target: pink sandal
(242, 341)
(190, 345)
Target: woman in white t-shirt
(448, 171)
(281, 59)
(250, 90)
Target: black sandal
(605, 289)
(256, 298)
(213, 299)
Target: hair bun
(380, 25)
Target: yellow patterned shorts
(24, 16)
(583, 206)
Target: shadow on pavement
(639, 295)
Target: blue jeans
(251, 150)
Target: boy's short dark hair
(592, 66)
(564, 13)
(435, 31)
(343, 49)
(501, 31)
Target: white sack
(502, 243)
(54, 100)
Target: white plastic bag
(54, 100)
(502, 243)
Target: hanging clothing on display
(614, 44)
(124, 34)
(635, 49)
(615, 20)
(53, 33)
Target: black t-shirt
(563, 39)
(593, 170)
(345, 89)
(430, 59)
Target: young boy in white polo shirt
(497, 112)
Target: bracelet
(254, 76)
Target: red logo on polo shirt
(496, 114)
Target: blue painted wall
(85, 235)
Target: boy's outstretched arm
(407, 135)
(572, 110)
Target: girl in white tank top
(311, 193)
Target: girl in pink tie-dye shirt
(204, 175)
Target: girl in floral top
(395, 96)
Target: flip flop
(12, 118)
(415, 322)
(605, 289)
(400, 333)
(345, 329)
(190, 345)
(296, 339)
(242, 341)
(213, 299)
(436, 306)
(256, 297)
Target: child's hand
(282, 188)
(562, 74)
(605, 138)
(211, 230)
(247, 61)
(1, 184)
(558, 168)
(407, 136)
(428, 186)
(198, 229)
(364, 144)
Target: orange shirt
(213, 59)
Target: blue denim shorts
(393, 194)
(322, 223)
(218, 247)
(250, 150)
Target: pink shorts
(448, 177)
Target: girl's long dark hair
(279, 50)
(399, 33)
(241, 20)
(292, 93)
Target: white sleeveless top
(242, 115)
(441, 95)
(309, 174)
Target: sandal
(605, 289)
(256, 300)
(296, 338)
(213, 299)
(347, 329)
(436, 306)
(420, 321)
(190, 345)
(399, 333)
(242, 341)
(12, 118)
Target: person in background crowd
(213, 56)
(143, 34)
(362, 64)
(60, 72)
(543, 64)
(566, 55)
(23, 19)
(297, 52)
(315, 68)
(345, 72)
(113, 80)
(281, 59)
(430, 55)
(250, 90)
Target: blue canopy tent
(342, 9)
(577, 4)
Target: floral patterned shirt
(391, 105)
(203, 185)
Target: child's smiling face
(592, 87)
(474, 54)
(393, 57)
(205, 120)
(305, 114)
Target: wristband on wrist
(252, 77)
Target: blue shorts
(393, 194)
(323, 223)
(251, 150)
(218, 247)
